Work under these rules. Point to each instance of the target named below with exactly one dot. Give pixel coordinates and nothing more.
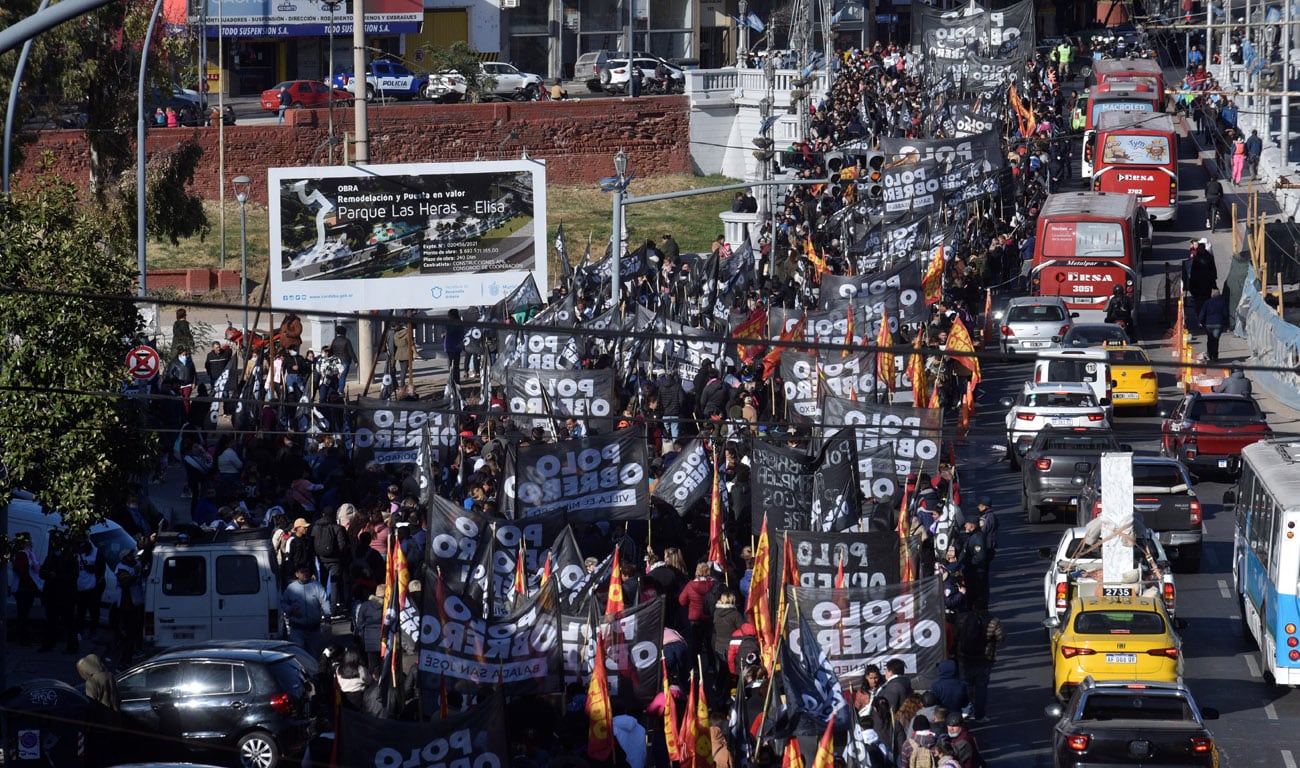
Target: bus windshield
(1084, 238)
(1121, 149)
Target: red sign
(143, 363)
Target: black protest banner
(781, 319)
(982, 146)
(836, 503)
(520, 301)
(911, 189)
(689, 347)
(1013, 32)
(950, 37)
(551, 396)
(424, 467)
(588, 479)
(799, 381)
(980, 73)
(914, 433)
(858, 626)
(521, 651)
(568, 569)
(634, 639)
(877, 245)
(869, 559)
(965, 182)
(458, 538)
(831, 326)
(780, 485)
(537, 349)
(391, 431)
(904, 281)
(964, 121)
(852, 376)
(475, 738)
(685, 482)
(559, 314)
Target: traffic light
(835, 162)
(872, 177)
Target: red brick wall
(577, 139)
(195, 281)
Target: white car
(1076, 568)
(614, 75)
(1058, 404)
(509, 82)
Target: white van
(27, 515)
(211, 585)
(1089, 366)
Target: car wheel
(1035, 514)
(370, 93)
(296, 105)
(258, 750)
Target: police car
(387, 79)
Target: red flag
(753, 328)
(758, 608)
(916, 372)
(521, 583)
(932, 280)
(959, 340)
(989, 333)
(848, 333)
(825, 757)
(717, 543)
(390, 590)
(934, 397)
(792, 757)
(703, 738)
(885, 360)
(686, 735)
(600, 715)
(546, 569)
(671, 735)
(773, 358)
(614, 602)
(839, 572)
(906, 570)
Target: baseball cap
(301, 523)
(954, 718)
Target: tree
(85, 72)
(459, 57)
(66, 318)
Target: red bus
(1139, 156)
(1142, 71)
(1114, 97)
(1085, 245)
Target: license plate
(1126, 395)
(1223, 463)
(1035, 344)
(182, 635)
(1117, 592)
(1062, 421)
(1121, 658)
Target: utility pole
(361, 155)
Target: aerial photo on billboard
(428, 236)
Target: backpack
(326, 543)
(972, 631)
(711, 597)
(922, 756)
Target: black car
(1052, 471)
(1163, 496)
(1131, 722)
(248, 707)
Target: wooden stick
(1280, 312)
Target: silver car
(1032, 324)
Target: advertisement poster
(427, 235)
(1135, 150)
(298, 18)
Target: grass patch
(584, 210)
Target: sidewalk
(1234, 348)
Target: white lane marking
(1223, 590)
(1270, 711)
(1287, 759)
(1253, 666)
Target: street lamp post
(616, 247)
(242, 185)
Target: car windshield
(1118, 622)
(1225, 409)
(1081, 336)
(112, 541)
(1128, 356)
(1059, 400)
(1035, 313)
(1126, 706)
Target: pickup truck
(1076, 568)
(1163, 496)
(388, 79)
(1206, 431)
(1132, 723)
(1053, 469)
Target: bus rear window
(1120, 149)
(1084, 238)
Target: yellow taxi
(1117, 635)
(1136, 385)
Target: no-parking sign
(143, 362)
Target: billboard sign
(419, 235)
(302, 18)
